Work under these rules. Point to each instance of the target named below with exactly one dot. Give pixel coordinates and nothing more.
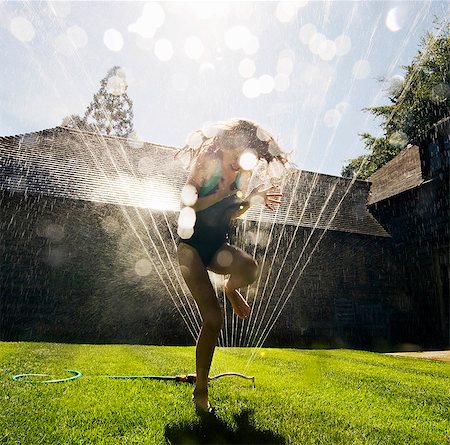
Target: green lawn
(301, 397)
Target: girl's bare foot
(200, 400)
(240, 306)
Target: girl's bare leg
(242, 268)
(198, 282)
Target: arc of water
(261, 267)
(113, 162)
(175, 248)
(371, 42)
(267, 331)
(96, 162)
(401, 97)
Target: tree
(417, 103)
(381, 150)
(75, 121)
(110, 111)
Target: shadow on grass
(212, 430)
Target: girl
(221, 164)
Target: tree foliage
(381, 150)
(416, 104)
(110, 111)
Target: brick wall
(79, 271)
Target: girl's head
(237, 135)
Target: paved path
(443, 356)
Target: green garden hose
(188, 378)
(21, 377)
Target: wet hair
(213, 138)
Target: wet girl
(221, 166)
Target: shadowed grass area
(301, 397)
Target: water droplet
(285, 66)
(315, 43)
(286, 11)
(22, 29)
(210, 130)
(343, 45)
(266, 84)
(250, 88)
(116, 85)
(78, 36)
(327, 50)
(187, 218)
(60, 8)
(281, 83)
(224, 258)
(145, 164)
(193, 47)
(163, 50)
(113, 39)
(152, 18)
(262, 134)
(306, 33)
(248, 160)
(134, 141)
(247, 68)
(143, 267)
(395, 19)
(332, 118)
(189, 195)
(195, 140)
(64, 45)
(275, 169)
(185, 232)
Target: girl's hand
(259, 196)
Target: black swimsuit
(211, 229)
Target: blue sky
(304, 70)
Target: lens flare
(187, 218)
(113, 39)
(22, 29)
(248, 160)
(189, 195)
(163, 50)
(143, 267)
(224, 258)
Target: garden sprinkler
(185, 378)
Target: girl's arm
(258, 196)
